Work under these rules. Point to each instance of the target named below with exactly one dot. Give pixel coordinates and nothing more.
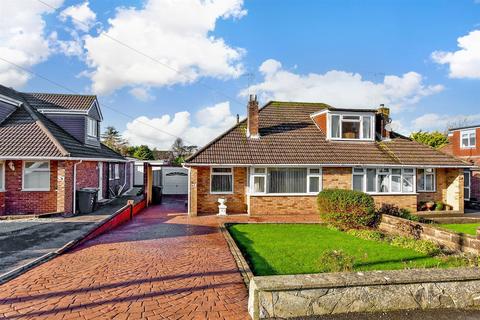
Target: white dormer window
(92, 125)
(468, 139)
(351, 127)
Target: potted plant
(430, 205)
(439, 206)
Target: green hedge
(347, 209)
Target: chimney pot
(252, 118)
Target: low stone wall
(336, 293)
(448, 239)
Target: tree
(434, 139)
(143, 152)
(113, 139)
(180, 151)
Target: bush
(367, 234)
(423, 246)
(439, 206)
(393, 210)
(335, 261)
(462, 260)
(346, 208)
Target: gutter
(63, 158)
(327, 165)
(75, 186)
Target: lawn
(466, 228)
(295, 248)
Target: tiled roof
(28, 133)
(289, 136)
(59, 101)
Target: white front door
(174, 180)
(467, 181)
(100, 180)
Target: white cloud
(209, 123)
(435, 121)
(141, 94)
(176, 33)
(82, 17)
(22, 38)
(340, 88)
(465, 62)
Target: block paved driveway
(161, 265)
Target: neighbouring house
(279, 158)
(463, 144)
(49, 148)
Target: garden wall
(336, 293)
(449, 239)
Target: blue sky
(405, 54)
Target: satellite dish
(388, 127)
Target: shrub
(393, 210)
(346, 208)
(439, 206)
(367, 234)
(462, 260)
(423, 246)
(335, 261)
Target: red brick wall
(28, 202)
(456, 143)
(2, 203)
(87, 175)
(475, 191)
(275, 205)
(321, 122)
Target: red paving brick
(162, 265)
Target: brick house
(283, 154)
(463, 144)
(49, 148)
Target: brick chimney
(382, 125)
(252, 118)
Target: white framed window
(426, 180)
(117, 171)
(285, 180)
(221, 180)
(467, 180)
(92, 127)
(468, 139)
(2, 176)
(112, 171)
(36, 176)
(351, 127)
(384, 180)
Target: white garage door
(175, 180)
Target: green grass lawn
(295, 248)
(467, 228)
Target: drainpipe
(75, 185)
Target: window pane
(407, 183)
(226, 170)
(314, 171)
(473, 140)
(36, 165)
(408, 170)
(358, 182)
(396, 184)
(466, 178)
(287, 180)
(221, 183)
(429, 182)
(367, 127)
(335, 126)
(371, 173)
(351, 118)
(350, 130)
(37, 180)
(259, 170)
(397, 171)
(358, 170)
(383, 183)
(314, 184)
(259, 184)
(465, 142)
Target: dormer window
(351, 127)
(92, 126)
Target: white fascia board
(357, 165)
(62, 158)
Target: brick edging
(242, 264)
(9, 275)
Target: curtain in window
(335, 126)
(222, 183)
(287, 180)
(358, 182)
(367, 127)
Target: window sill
(468, 148)
(392, 193)
(283, 194)
(35, 190)
(423, 191)
(220, 193)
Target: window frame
(251, 189)
(117, 171)
(469, 172)
(361, 116)
(24, 169)
(222, 174)
(389, 174)
(469, 134)
(94, 124)
(2, 180)
(434, 173)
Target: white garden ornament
(222, 208)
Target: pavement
(24, 240)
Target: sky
(184, 68)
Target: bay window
(426, 180)
(344, 126)
(36, 176)
(468, 139)
(285, 180)
(221, 180)
(383, 180)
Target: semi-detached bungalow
(279, 158)
(49, 148)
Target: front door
(100, 180)
(467, 184)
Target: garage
(174, 180)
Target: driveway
(25, 240)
